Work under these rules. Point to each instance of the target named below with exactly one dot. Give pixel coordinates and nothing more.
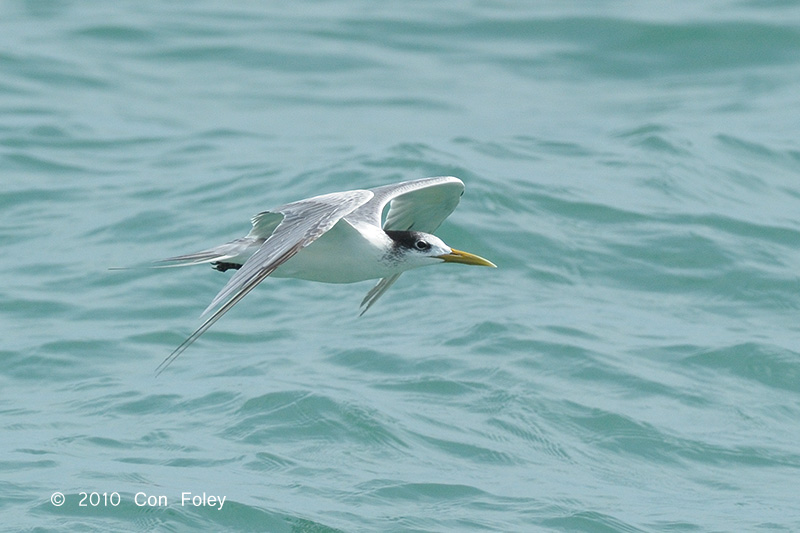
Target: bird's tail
(230, 255)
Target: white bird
(335, 238)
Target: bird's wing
(265, 223)
(303, 222)
(419, 205)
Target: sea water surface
(632, 365)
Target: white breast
(344, 254)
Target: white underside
(344, 254)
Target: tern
(335, 238)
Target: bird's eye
(422, 245)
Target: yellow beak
(457, 256)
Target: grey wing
(264, 224)
(419, 205)
(303, 222)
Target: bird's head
(418, 249)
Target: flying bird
(335, 238)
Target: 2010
(96, 499)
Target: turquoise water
(632, 365)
